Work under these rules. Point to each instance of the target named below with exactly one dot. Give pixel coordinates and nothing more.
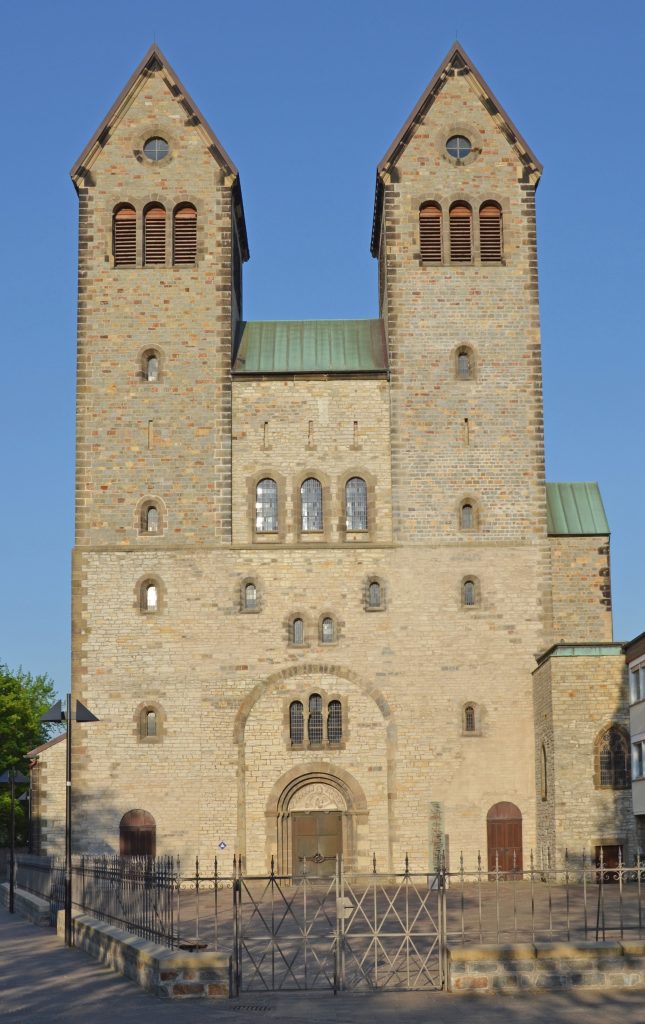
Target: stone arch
(336, 786)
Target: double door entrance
(317, 840)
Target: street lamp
(59, 714)
(11, 777)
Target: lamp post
(59, 714)
(11, 777)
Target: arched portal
(504, 833)
(137, 834)
(314, 815)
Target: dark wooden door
(611, 858)
(504, 833)
(317, 839)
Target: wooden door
(317, 839)
(611, 858)
(504, 833)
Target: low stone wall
(27, 905)
(170, 973)
(546, 965)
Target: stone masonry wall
(581, 589)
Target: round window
(155, 149)
(458, 146)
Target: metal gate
(346, 931)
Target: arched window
(470, 723)
(490, 233)
(374, 595)
(315, 723)
(543, 778)
(430, 233)
(150, 523)
(298, 632)
(334, 722)
(469, 593)
(356, 504)
(137, 834)
(154, 235)
(460, 233)
(464, 364)
(466, 516)
(296, 722)
(612, 759)
(311, 507)
(266, 506)
(327, 630)
(124, 237)
(151, 366)
(250, 595)
(151, 723)
(149, 597)
(184, 235)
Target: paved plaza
(42, 982)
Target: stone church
(323, 598)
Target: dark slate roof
(310, 346)
(575, 510)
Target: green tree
(23, 699)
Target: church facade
(323, 598)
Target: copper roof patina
(575, 510)
(310, 346)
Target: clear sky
(307, 98)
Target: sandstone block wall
(581, 589)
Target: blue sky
(307, 98)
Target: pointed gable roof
(154, 60)
(455, 58)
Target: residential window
(315, 723)
(356, 504)
(490, 233)
(266, 506)
(638, 759)
(154, 235)
(250, 596)
(430, 233)
(327, 631)
(311, 506)
(124, 237)
(637, 684)
(334, 722)
(460, 233)
(469, 718)
(184, 235)
(612, 757)
(296, 722)
(298, 632)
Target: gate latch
(344, 907)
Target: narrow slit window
(311, 506)
(124, 237)
(430, 233)
(151, 519)
(469, 718)
(327, 631)
(461, 249)
(266, 506)
(469, 593)
(298, 631)
(544, 784)
(490, 233)
(250, 596)
(467, 520)
(150, 597)
(464, 364)
(151, 367)
(356, 504)
(151, 723)
(334, 722)
(296, 722)
(315, 723)
(184, 235)
(374, 594)
(154, 236)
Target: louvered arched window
(266, 506)
(374, 594)
(490, 233)
(469, 593)
(461, 247)
(184, 235)
(296, 722)
(356, 504)
(430, 233)
(315, 723)
(154, 235)
(334, 721)
(311, 506)
(466, 516)
(124, 237)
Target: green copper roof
(310, 346)
(575, 509)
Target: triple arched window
(311, 506)
(460, 244)
(154, 247)
(324, 722)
